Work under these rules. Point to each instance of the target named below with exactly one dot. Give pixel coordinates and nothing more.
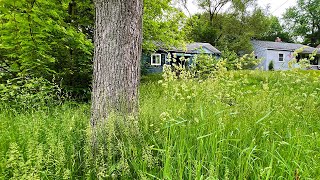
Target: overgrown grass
(46, 144)
(238, 125)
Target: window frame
(282, 57)
(152, 56)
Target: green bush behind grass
(237, 125)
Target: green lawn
(237, 125)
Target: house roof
(284, 46)
(192, 47)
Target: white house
(281, 53)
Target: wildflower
(164, 115)
(238, 65)
(265, 86)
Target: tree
(161, 24)
(117, 53)
(232, 30)
(213, 7)
(239, 29)
(40, 39)
(304, 21)
(275, 29)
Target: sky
(276, 7)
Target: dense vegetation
(238, 124)
(52, 40)
(304, 21)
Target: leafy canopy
(303, 20)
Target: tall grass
(237, 125)
(46, 144)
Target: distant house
(154, 62)
(280, 53)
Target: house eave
(274, 49)
(292, 50)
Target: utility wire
(280, 6)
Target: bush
(270, 66)
(26, 92)
(231, 57)
(203, 65)
(234, 62)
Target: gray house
(154, 62)
(281, 53)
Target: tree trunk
(117, 53)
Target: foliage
(234, 62)
(231, 58)
(248, 61)
(24, 93)
(304, 63)
(161, 25)
(231, 31)
(237, 125)
(52, 39)
(271, 66)
(198, 29)
(303, 20)
(203, 65)
(38, 41)
(275, 29)
(214, 7)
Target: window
(281, 57)
(156, 59)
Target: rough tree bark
(117, 53)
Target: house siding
(261, 53)
(146, 63)
(269, 52)
(273, 55)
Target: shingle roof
(194, 46)
(191, 48)
(284, 46)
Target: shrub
(231, 57)
(234, 62)
(303, 63)
(24, 92)
(270, 66)
(248, 61)
(203, 65)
